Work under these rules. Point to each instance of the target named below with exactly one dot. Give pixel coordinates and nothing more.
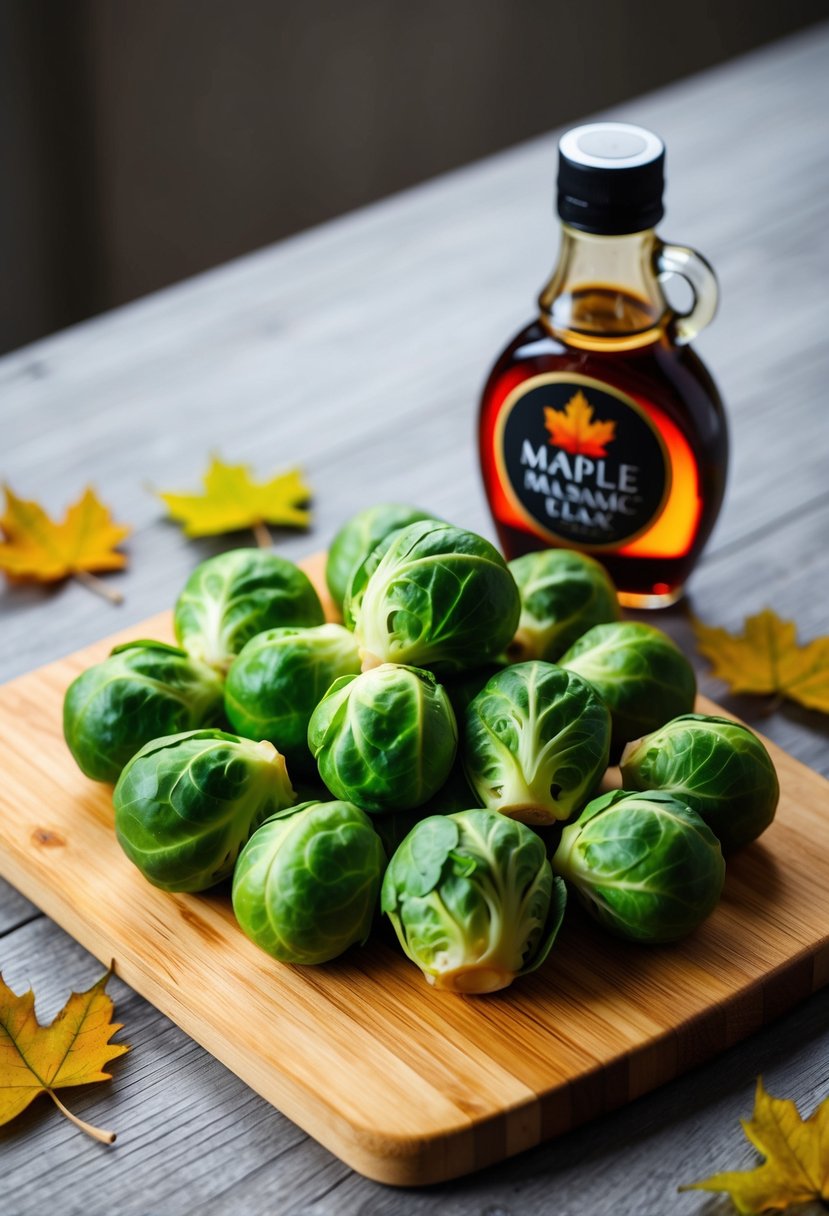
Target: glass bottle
(600, 429)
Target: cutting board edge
(435, 1157)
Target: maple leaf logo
(574, 430)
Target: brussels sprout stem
(98, 586)
(97, 1133)
(263, 537)
(474, 981)
(369, 660)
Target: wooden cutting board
(407, 1085)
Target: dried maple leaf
(766, 658)
(233, 500)
(796, 1151)
(574, 430)
(72, 1050)
(36, 547)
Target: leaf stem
(97, 1133)
(263, 537)
(93, 583)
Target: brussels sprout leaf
(558, 903)
(36, 547)
(796, 1167)
(147, 644)
(766, 658)
(72, 1050)
(232, 500)
(429, 851)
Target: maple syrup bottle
(600, 429)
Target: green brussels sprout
(563, 594)
(385, 739)
(536, 742)
(645, 865)
(356, 539)
(143, 690)
(230, 598)
(473, 900)
(278, 678)
(717, 767)
(185, 805)
(306, 883)
(434, 596)
(643, 677)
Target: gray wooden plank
(366, 342)
(14, 909)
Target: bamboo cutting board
(407, 1085)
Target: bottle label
(582, 462)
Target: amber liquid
(671, 384)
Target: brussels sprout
(473, 900)
(644, 865)
(716, 767)
(230, 598)
(434, 596)
(356, 539)
(643, 677)
(536, 742)
(306, 883)
(563, 594)
(277, 679)
(143, 690)
(185, 805)
(385, 739)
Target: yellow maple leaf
(72, 1050)
(37, 547)
(796, 1151)
(766, 658)
(233, 500)
(574, 430)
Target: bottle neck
(605, 293)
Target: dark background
(145, 140)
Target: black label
(582, 461)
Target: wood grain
(335, 1047)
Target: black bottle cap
(610, 178)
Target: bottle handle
(693, 268)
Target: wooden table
(357, 351)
